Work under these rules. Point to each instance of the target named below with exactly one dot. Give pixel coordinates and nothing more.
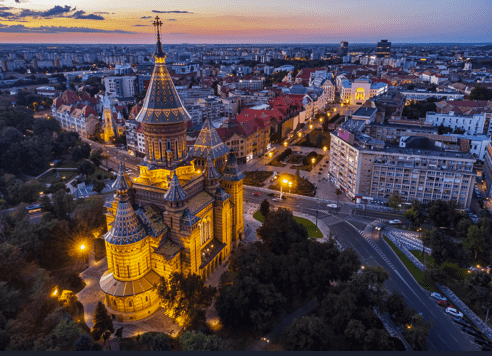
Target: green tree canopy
(186, 297)
(101, 321)
(198, 341)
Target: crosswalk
(367, 236)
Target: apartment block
(366, 167)
(472, 124)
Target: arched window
(146, 298)
(114, 302)
(130, 303)
(360, 94)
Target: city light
(299, 134)
(325, 148)
(270, 154)
(311, 126)
(82, 247)
(285, 143)
(313, 160)
(55, 292)
(320, 119)
(285, 181)
(335, 109)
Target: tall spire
(162, 104)
(176, 192)
(120, 184)
(231, 170)
(106, 103)
(159, 53)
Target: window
(130, 303)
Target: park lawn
(104, 174)
(310, 227)
(313, 137)
(50, 177)
(416, 273)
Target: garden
(311, 228)
(299, 185)
(256, 178)
(317, 139)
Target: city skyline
(245, 22)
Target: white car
(395, 222)
(454, 312)
(331, 205)
(438, 296)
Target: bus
(33, 209)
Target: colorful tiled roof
(208, 143)
(231, 170)
(162, 104)
(175, 192)
(189, 219)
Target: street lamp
(82, 247)
(290, 186)
(325, 149)
(311, 126)
(313, 160)
(285, 143)
(320, 119)
(299, 134)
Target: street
(444, 335)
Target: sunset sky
(245, 21)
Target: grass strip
(416, 273)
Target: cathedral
(183, 213)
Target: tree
(186, 297)
(87, 168)
(355, 331)
(81, 151)
(477, 286)
(306, 334)
(475, 240)
(414, 214)
(462, 228)
(83, 343)
(418, 334)
(264, 207)
(198, 341)
(434, 275)
(280, 230)
(480, 93)
(397, 309)
(69, 302)
(443, 248)
(155, 341)
(119, 332)
(338, 192)
(101, 321)
(394, 201)
(66, 333)
(98, 185)
(97, 157)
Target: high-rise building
(190, 205)
(342, 49)
(383, 49)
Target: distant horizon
(249, 43)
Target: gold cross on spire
(157, 24)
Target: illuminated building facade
(184, 213)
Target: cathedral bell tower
(108, 120)
(163, 115)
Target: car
(332, 206)
(471, 331)
(438, 296)
(395, 222)
(380, 227)
(461, 321)
(454, 312)
(482, 341)
(256, 194)
(445, 304)
(271, 194)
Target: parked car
(482, 341)
(445, 304)
(438, 296)
(461, 321)
(331, 205)
(471, 331)
(454, 312)
(395, 222)
(256, 194)
(380, 227)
